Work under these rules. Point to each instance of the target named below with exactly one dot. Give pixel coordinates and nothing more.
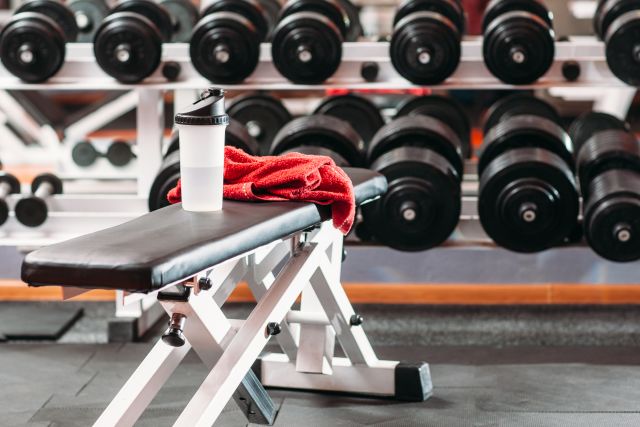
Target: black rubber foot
(413, 381)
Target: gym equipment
(446, 110)
(169, 173)
(425, 44)
(355, 29)
(119, 154)
(616, 22)
(421, 157)
(608, 167)
(528, 200)
(321, 135)
(89, 14)
(32, 211)
(184, 15)
(225, 45)
(262, 114)
(518, 43)
(362, 114)
(32, 43)
(306, 45)
(128, 43)
(9, 184)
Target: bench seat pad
(170, 244)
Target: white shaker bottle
(202, 130)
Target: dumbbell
(425, 44)
(225, 45)
(262, 114)
(32, 44)
(119, 153)
(518, 43)
(236, 135)
(32, 211)
(128, 43)
(617, 22)
(9, 184)
(323, 136)
(608, 168)
(528, 200)
(362, 114)
(88, 15)
(306, 45)
(184, 15)
(421, 157)
(446, 110)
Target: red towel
(292, 176)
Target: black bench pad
(170, 244)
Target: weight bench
(192, 261)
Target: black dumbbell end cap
(31, 211)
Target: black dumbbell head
(421, 207)
(55, 10)
(225, 47)
(617, 23)
(445, 109)
(496, 8)
(612, 215)
(184, 15)
(528, 200)
(449, 9)
(518, 43)
(252, 10)
(31, 211)
(14, 188)
(321, 131)
(354, 30)
(49, 178)
(151, 10)
(32, 47)
(359, 112)
(262, 114)
(608, 11)
(84, 154)
(306, 45)
(515, 105)
(418, 131)
(312, 150)
(128, 46)
(88, 15)
(119, 153)
(592, 122)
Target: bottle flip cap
(208, 110)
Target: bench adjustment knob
(356, 320)
(273, 328)
(174, 335)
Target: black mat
(36, 321)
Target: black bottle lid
(208, 110)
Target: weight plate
(451, 9)
(528, 200)
(251, 10)
(321, 131)
(320, 151)
(608, 10)
(444, 109)
(354, 30)
(88, 15)
(56, 11)
(606, 150)
(525, 131)
(84, 154)
(421, 207)
(4, 211)
(11, 181)
(588, 124)
(225, 47)
(184, 15)
(272, 13)
(359, 112)
(496, 8)
(418, 131)
(128, 47)
(515, 105)
(331, 9)
(612, 216)
(306, 48)
(262, 114)
(32, 47)
(623, 47)
(119, 153)
(518, 47)
(425, 48)
(150, 10)
(49, 178)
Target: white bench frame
(230, 348)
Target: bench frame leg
(307, 266)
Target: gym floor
(491, 366)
